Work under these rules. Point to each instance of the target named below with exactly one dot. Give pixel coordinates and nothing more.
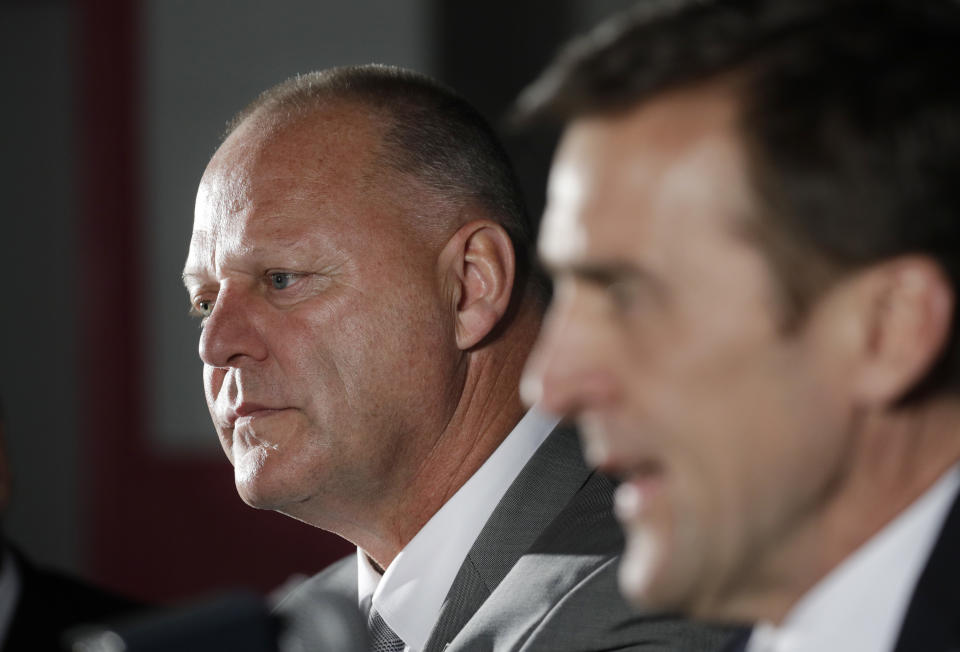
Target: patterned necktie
(382, 638)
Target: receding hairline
(363, 86)
(434, 215)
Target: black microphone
(239, 622)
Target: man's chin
(253, 481)
(637, 570)
(653, 577)
(255, 496)
(649, 577)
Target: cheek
(376, 357)
(406, 336)
(753, 474)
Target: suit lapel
(932, 623)
(467, 594)
(540, 492)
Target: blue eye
(280, 280)
(201, 308)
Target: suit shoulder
(321, 613)
(339, 578)
(593, 615)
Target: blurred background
(110, 112)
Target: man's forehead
(265, 165)
(324, 139)
(563, 238)
(274, 187)
(308, 133)
(618, 181)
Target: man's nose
(231, 332)
(565, 372)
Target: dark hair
(849, 111)
(431, 133)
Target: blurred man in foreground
(754, 228)
(359, 262)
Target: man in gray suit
(359, 264)
(754, 224)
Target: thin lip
(246, 409)
(623, 461)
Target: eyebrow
(601, 272)
(196, 274)
(189, 277)
(253, 252)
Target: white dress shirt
(411, 591)
(861, 604)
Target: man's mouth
(641, 484)
(247, 412)
(257, 415)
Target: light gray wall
(38, 338)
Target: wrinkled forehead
(336, 145)
(321, 180)
(268, 165)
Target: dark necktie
(382, 638)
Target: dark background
(110, 112)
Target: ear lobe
(479, 261)
(909, 324)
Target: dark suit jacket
(542, 573)
(51, 603)
(932, 621)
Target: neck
(488, 409)
(894, 459)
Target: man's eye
(281, 280)
(201, 308)
(625, 295)
(621, 293)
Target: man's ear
(908, 314)
(479, 265)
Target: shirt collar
(860, 605)
(413, 587)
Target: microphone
(240, 622)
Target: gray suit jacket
(542, 573)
